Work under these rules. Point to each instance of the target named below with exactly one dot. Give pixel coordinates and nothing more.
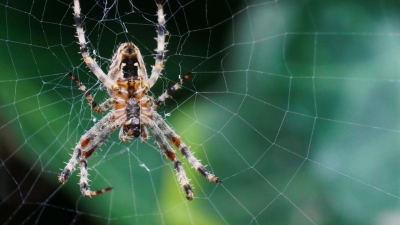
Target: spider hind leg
(167, 150)
(183, 180)
(70, 165)
(83, 182)
(89, 142)
(174, 138)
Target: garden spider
(133, 111)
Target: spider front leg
(170, 154)
(89, 142)
(110, 84)
(161, 33)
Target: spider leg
(169, 153)
(88, 143)
(83, 182)
(110, 84)
(161, 33)
(70, 165)
(170, 91)
(174, 138)
(97, 108)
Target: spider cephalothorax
(133, 111)
(127, 62)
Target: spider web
(292, 104)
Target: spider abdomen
(132, 125)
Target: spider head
(131, 60)
(128, 50)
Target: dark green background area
(294, 105)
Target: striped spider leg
(175, 139)
(89, 142)
(100, 109)
(161, 131)
(93, 66)
(160, 51)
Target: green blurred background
(294, 105)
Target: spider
(133, 111)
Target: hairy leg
(85, 51)
(170, 91)
(169, 153)
(174, 138)
(89, 142)
(97, 108)
(161, 33)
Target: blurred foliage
(293, 104)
